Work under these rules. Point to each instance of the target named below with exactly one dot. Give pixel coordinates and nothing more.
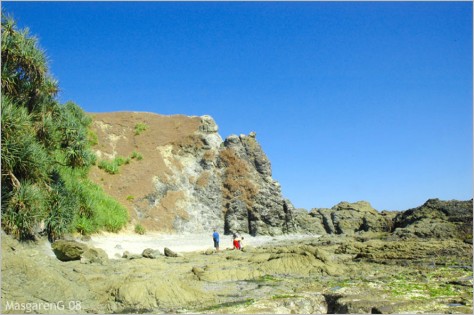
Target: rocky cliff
(179, 175)
(188, 178)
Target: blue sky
(350, 101)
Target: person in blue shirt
(215, 237)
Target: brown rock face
(189, 179)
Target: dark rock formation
(253, 202)
(349, 218)
(436, 218)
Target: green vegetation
(403, 284)
(284, 296)
(140, 127)
(130, 198)
(137, 155)
(113, 166)
(92, 137)
(45, 150)
(139, 229)
(266, 278)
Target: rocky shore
(368, 272)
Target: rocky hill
(179, 175)
(437, 219)
(188, 179)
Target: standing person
(241, 244)
(215, 238)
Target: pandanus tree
(40, 139)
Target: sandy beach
(115, 244)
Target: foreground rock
(330, 274)
(68, 250)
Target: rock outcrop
(349, 218)
(190, 180)
(436, 218)
(253, 201)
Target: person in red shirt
(236, 242)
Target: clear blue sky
(350, 101)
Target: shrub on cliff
(45, 147)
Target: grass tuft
(140, 127)
(139, 229)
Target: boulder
(128, 255)
(68, 250)
(151, 253)
(170, 253)
(94, 255)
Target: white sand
(115, 244)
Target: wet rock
(67, 250)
